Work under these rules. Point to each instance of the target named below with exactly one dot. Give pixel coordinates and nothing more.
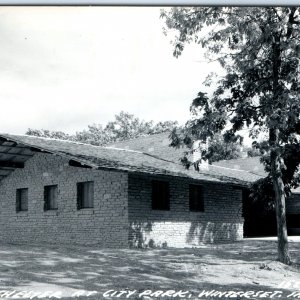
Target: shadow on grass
(243, 265)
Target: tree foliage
(49, 134)
(258, 47)
(217, 147)
(127, 126)
(124, 126)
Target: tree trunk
(278, 185)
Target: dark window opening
(22, 200)
(85, 194)
(245, 201)
(196, 197)
(258, 220)
(160, 195)
(50, 197)
(293, 220)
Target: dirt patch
(246, 265)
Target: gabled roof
(129, 160)
(159, 145)
(155, 144)
(250, 164)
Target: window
(22, 200)
(247, 203)
(196, 198)
(85, 194)
(293, 221)
(50, 197)
(160, 195)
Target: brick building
(57, 191)
(257, 221)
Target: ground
(246, 265)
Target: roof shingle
(153, 161)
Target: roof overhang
(13, 156)
(16, 150)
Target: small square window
(22, 200)
(50, 197)
(196, 197)
(85, 194)
(160, 195)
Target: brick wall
(293, 214)
(179, 227)
(293, 204)
(106, 224)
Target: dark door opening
(293, 224)
(258, 220)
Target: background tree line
(127, 126)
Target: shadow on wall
(137, 235)
(212, 232)
(188, 234)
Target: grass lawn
(246, 265)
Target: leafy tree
(216, 147)
(94, 135)
(49, 134)
(125, 126)
(163, 126)
(252, 152)
(258, 47)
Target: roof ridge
(138, 137)
(86, 144)
(144, 153)
(221, 167)
(88, 156)
(121, 149)
(170, 161)
(234, 159)
(61, 140)
(46, 138)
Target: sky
(63, 68)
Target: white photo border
(154, 2)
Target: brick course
(106, 224)
(220, 222)
(122, 213)
(293, 204)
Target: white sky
(62, 68)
